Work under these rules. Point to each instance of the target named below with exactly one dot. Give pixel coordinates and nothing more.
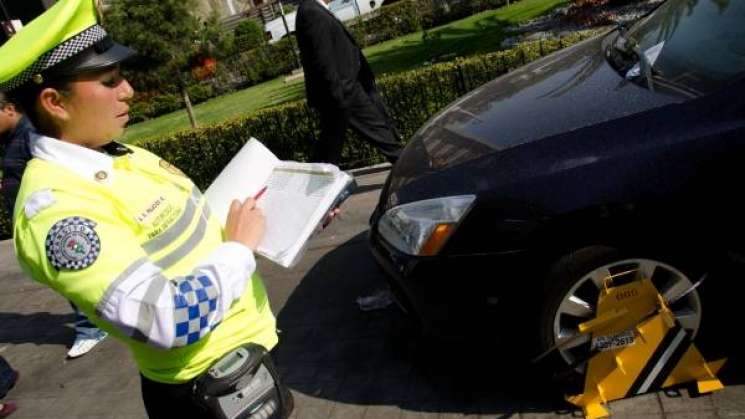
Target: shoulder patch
(38, 201)
(73, 244)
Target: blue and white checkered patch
(72, 243)
(195, 299)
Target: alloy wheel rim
(579, 304)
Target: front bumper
(452, 297)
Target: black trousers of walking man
(367, 116)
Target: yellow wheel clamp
(640, 347)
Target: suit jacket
(333, 63)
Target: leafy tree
(289, 8)
(214, 40)
(163, 33)
(249, 35)
(168, 38)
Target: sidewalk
(338, 361)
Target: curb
(381, 167)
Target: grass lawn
(475, 34)
(480, 33)
(220, 108)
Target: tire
(571, 293)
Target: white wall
(277, 27)
(344, 10)
(365, 6)
(346, 13)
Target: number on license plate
(607, 343)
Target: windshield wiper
(630, 45)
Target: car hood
(563, 92)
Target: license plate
(610, 342)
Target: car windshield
(697, 45)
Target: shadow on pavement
(367, 188)
(331, 350)
(41, 328)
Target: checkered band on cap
(60, 53)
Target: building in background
(231, 12)
(343, 9)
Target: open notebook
(297, 198)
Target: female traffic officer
(122, 233)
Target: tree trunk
(189, 109)
(287, 31)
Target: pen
(261, 192)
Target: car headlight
(421, 228)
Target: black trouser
(81, 321)
(163, 401)
(166, 401)
(367, 116)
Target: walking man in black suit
(340, 84)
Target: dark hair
(3, 100)
(25, 97)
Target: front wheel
(574, 286)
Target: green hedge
(248, 35)
(289, 130)
(263, 63)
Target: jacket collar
(89, 164)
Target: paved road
(339, 362)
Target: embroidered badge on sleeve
(72, 243)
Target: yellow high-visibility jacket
(130, 240)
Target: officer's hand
(245, 223)
(330, 217)
(336, 208)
